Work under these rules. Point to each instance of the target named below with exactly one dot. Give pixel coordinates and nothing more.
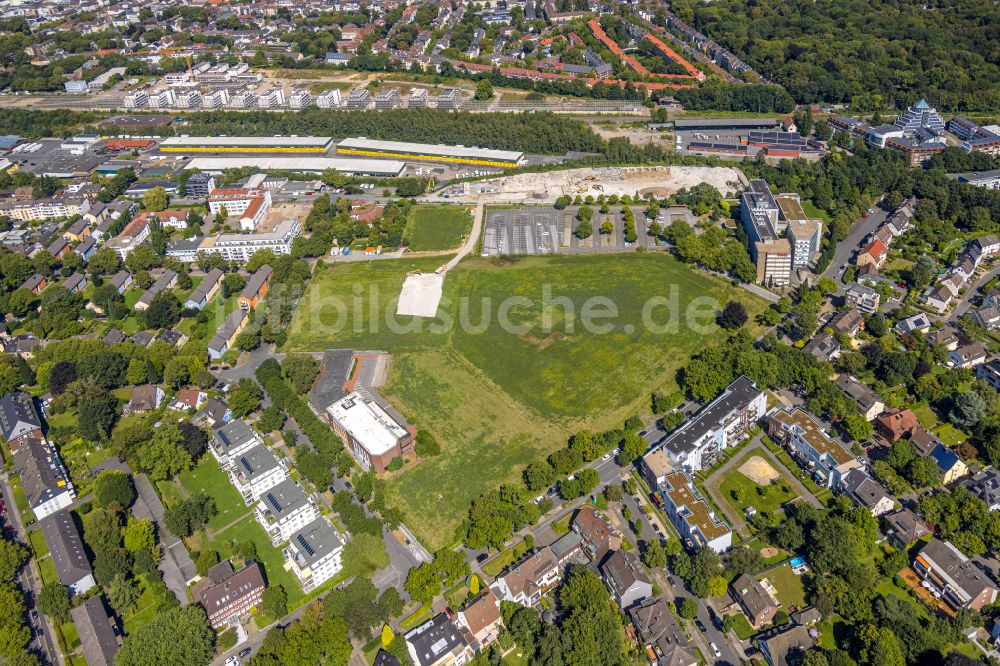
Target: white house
(314, 554)
(284, 510)
(256, 471)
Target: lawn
(791, 592)
(437, 227)
(497, 565)
(924, 414)
(497, 399)
(763, 498)
(47, 570)
(209, 479)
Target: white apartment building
(315, 554)
(216, 99)
(272, 99)
(176, 78)
(46, 209)
(256, 471)
(232, 440)
(329, 100)
(238, 247)
(249, 204)
(284, 510)
(188, 99)
(161, 99)
(137, 100)
(299, 99)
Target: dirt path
(471, 241)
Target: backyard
(741, 492)
(789, 586)
(206, 477)
(437, 227)
(500, 396)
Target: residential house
(59, 248)
(598, 537)
(896, 424)
(848, 322)
(990, 373)
(45, 481)
(225, 338)
(867, 492)
(256, 288)
(142, 338)
(823, 347)
(189, 398)
(167, 280)
(662, 637)
(35, 284)
(438, 642)
(945, 337)
(868, 401)
(77, 231)
(256, 471)
(719, 425)
(986, 486)
(285, 509)
(144, 399)
(961, 584)
(114, 337)
(952, 467)
(121, 281)
(863, 298)
(66, 550)
(969, 356)
(988, 318)
(784, 646)
(915, 324)
(924, 441)
(86, 248)
(96, 629)
(939, 298)
(205, 291)
(623, 574)
(231, 440)
(479, 618)
(755, 600)
(905, 528)
(691, 515)
(825, 456)
(528, 579)
(233, 599)
(215, 413)
(75, 283)
(19, 420)
(315, 554)
(874, 254)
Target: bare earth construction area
(662, 181)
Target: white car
(232, 660)
(606, 457)
(715, 649)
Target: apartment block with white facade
(719, 425)
(826, 457)
(232, 440)
(315, 554)
(256, 471)
(284, 510)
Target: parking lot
(546, 231)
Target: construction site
(661, 181)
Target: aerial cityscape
(499, 333)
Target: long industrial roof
(309, 164)
(255, 141)
(430, 149)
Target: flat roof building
(345, 165)
(802, 433)
(246, 144)
(314, 554)
(433, 152)
(691, 515)
(370, 432)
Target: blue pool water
(797, 561)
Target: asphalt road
(850, 246)
(963, 305)
(42, 636)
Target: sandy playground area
(759, 471)
(662, 181)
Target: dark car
(701, 625)
(483, 557)
(716, 620)
(245, 652)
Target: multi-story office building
(199, 185)
(370, 432)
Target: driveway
(963, 305)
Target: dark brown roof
(240, 584)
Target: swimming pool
(797, 561)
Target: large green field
(437, 227)
(498, 398)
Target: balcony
(298, 566)
(269, 523)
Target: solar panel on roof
(246, 465)
(305, 545)
(273, 501)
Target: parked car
(701, 625)
(245, 652)
(715, 649)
